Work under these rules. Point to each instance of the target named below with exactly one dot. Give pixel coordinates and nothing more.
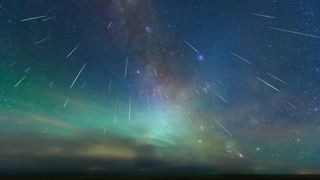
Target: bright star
(200, 57)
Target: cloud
(83, 153)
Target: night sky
(158, 86)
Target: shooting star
(110, 84)
(236, 55)
(51, 84)
(75, 79)
(109, 25)
(240, 155)
(252, 118)
(155, 72)
(197, 92)
(41, 41)
(192, 47)
(73, 50)
(27, 70)
(129, 111)
(159, 91)
(268, 84)
(275, 77)
(47, 19)
(225, 130)
(223, 99)
(83, 84)
(148, 102)
(32, 18)
(263, 15)
(126, 68)
(294, 107)
(18, 83)
(65, 103)
(295, 32)
(220, 82)
(115, 117)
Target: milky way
(159, 86)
